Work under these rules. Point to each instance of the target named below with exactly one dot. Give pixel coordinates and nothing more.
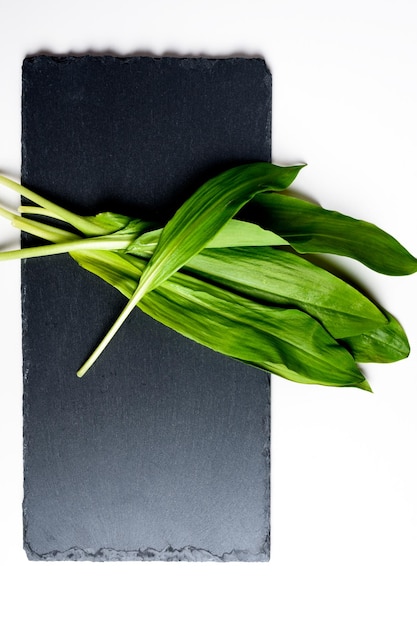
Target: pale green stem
(113, 330)
(83, 224)
(50, 209)
(72, 245)
(45, 231)
(63, 240)
(7, 214)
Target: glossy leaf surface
(283, 341)
(282, 278)
(309, 228)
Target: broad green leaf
(237, 233)
(234, 233)
(265, 307)
(286, 342)
(195, 223)
(283, 278)
(309, 228)
(383, 345)
(201, 217)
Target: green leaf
(234, 233)
(383, 345)
(309, 228)
(195, 223)
(282, 278)
(265, 307)
(286, 342)
(237, 233)
(201, 217)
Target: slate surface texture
(161, 452)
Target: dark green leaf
(309, 228)
(383, 345)
(195, 223)
(201, 217)
(286, 342)
(282, 278)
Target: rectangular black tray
(161, 452)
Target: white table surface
(344, 462)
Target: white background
(344, 462)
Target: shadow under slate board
(161, 452)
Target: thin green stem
(9, 215)
(45, 231)
(72, 245)
(63, 241)
(50, 209)
(83, 224)
(112, 331)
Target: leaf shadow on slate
(161, 452)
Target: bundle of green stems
(232, 270)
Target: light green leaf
(234, 233)
(237, 233)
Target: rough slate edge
(187, 553)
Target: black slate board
(161, 452)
